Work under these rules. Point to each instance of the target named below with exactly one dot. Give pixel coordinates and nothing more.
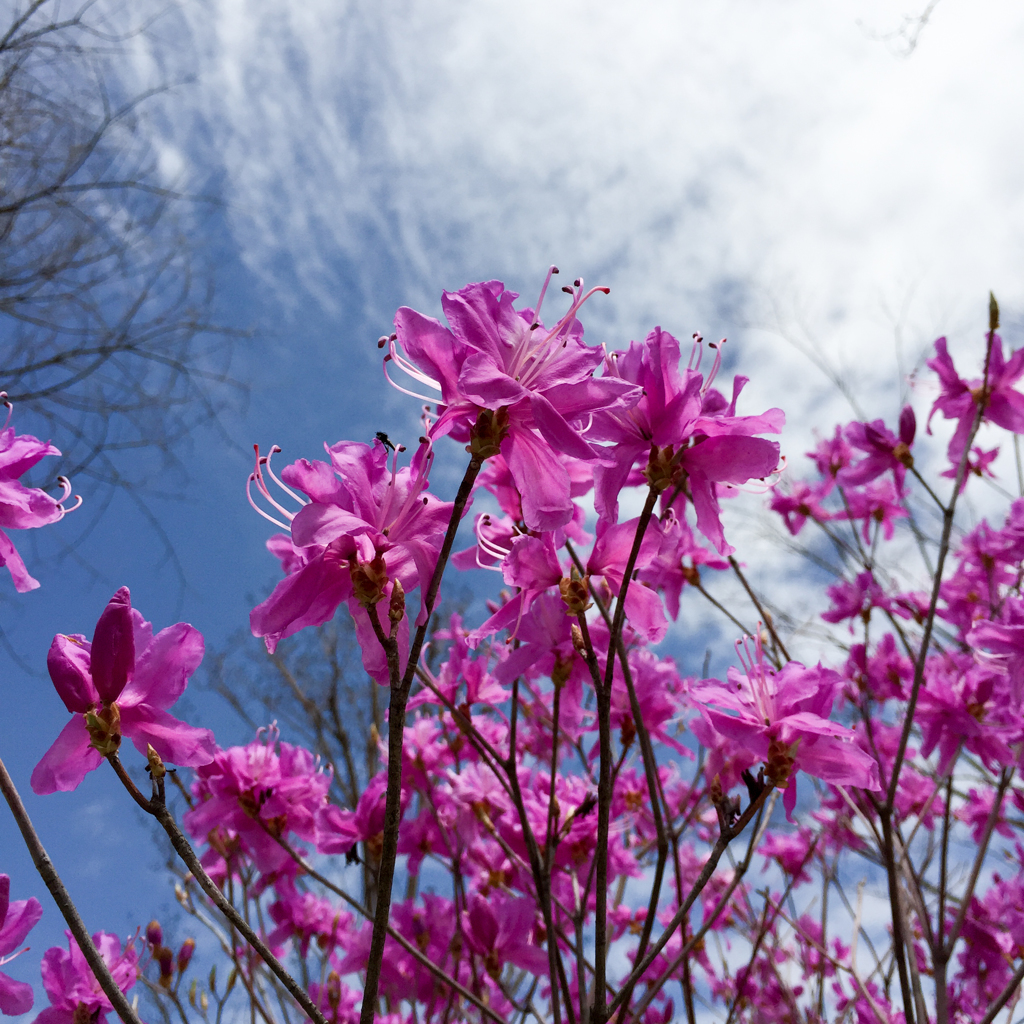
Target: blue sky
(780, 172)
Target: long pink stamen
(544, 351)
(10, 409)
(544, 290)
(489, 545)
(398, 387)
(404, 363)
(417, 485)
(715, 367)
(385, 507)
(14, 956)
(261, 485)
(696, 352)
(65, 485)
(273, 476)
(256, 508)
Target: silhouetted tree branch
(106, 330)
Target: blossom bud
(113, 647)
(578, 643)
(333, 987)
(165, 958)
(396, 610)
(154, 933)
(562, 670)
(488, 432)
(661, 469)
(715, 790)
(628, 732)
(105, 729)
(188, 947)
(575, 593)
(369, 580)
(156, 764)
(779, 766)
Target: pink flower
(884, 450)
(803, 502)
(495, 357)
(608, 560)
(120, 685)
(681, 415)
(668, 571)
(304, 916)
(532, 565)
(267, 786)
(75, 994)
(970, 706)
(21, 507)
(877, 502)
(850, 599)
(16, 921)
(781, 718)
(362, 525)
(499, 929)
(960, 399)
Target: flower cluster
(548, 828)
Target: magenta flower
(16, 921)
(304, 916)
(877, 502)
(21, 507)
(781, 718)
(802, 502)
(495, 357)
(679, 413)
(499, 929)
(75, 994)
(532, 565)
(251, 794)
(960, 399)
(121, 685)
(362, 525)
(970, 706)
(668, 571)
(884, 451)
(608, 560)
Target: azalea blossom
(781, 717)
(75, 994)
(21, 507)
(361, 525)
(17, 919)
(541, 380)
(119, 685)
(960, 399)
(499, 930)
(884, 451)
(681, 416)
(245, 796)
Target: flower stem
(400, 688)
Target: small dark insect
(385, 440)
